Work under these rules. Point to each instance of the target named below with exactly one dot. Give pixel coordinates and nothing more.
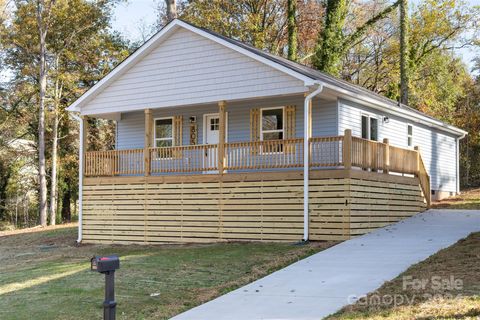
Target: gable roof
(301, 72)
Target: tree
(171, 9)
(80, 51)
(404, 52)
(292, 29)
(43, 17)
(333, 42)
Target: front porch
(250, 191)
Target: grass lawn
(468, 199)
(43, 275)
(454, 301)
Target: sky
(131, 16)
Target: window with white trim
(272, 124)
(163, 136)
(409, 135)
(369, 127)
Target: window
(214, 124)
(409, 135)
(369, 128)
(163, 132)
(272, 129)
(272, 124)
(374, 129)
(365, 127)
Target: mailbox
(105, 264)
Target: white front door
(212, 128)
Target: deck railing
(198, 158)
(114, 162)
(339, 151)
(270, 154)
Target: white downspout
(306, 155)
(80, 178)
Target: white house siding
(188, 69)
(131, 127)
(438, 149)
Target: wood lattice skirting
(265, 206)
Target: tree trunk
(53, 183)
(404, 52)
(292, 29)
(329, 50)
(54, 175)
(332, 43)
(42, 176)
(66, 203)
(171, 10)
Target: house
(219, 141)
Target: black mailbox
(105, 264)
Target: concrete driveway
(325, 282)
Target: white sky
(130, 17)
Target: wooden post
(347, 149)
(148, 141)
(417, 170)
(386, 156)
(222, 105)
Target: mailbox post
(107, 265)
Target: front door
(212, 128)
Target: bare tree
(171, 10)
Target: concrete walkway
(325, 282)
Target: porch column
(148, 141)
(222, 106)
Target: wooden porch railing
(198, 158)
(326, 151)
(339, 151)
(270, 154)
(424, 180)
(114, 162)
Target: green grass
(460, 261)
(43, 275)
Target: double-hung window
(409, 135)
(163, 132)
(369, 128)
(272, 127)
(163, 137)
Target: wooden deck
(250, 191)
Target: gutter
(80, 178)
(306, 156)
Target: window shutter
(290, 120)
(255, 124)
(254, 128)
(178, 130)
(177, 134)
